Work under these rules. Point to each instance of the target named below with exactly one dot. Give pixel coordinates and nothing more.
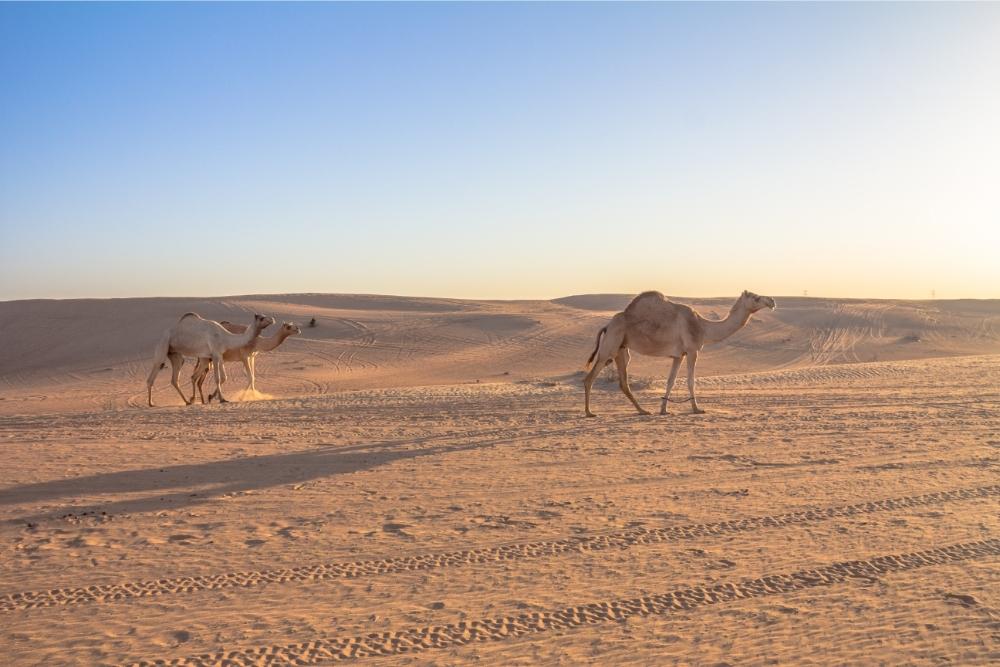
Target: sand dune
(91, 353)
(838, 503)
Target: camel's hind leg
(607, 347)
(176, 362)
(157, 365)
(621, 361)
(588, 382)
(198, 378)
(670, 384)
(159, 362)
(692, 360)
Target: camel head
(289, 329)
(754, 302)
(261, 322)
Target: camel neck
(250, 334)
(271, 342)
(716, 330)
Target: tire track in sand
(413, 640)
(107, 593)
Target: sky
(500, 150)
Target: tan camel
(652, 324)
(194, 336)
(246, 354)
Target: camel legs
(157, 365)
(176, 362)
(220, 377)
(253, 372)
(198, 378)
(621, 361)
(670, 384)
(692, 360)
(248, 368)
(588, 382)
(201, 380)
(609, 343)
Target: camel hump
(186, 315)
(651, 298)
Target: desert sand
(417, 484)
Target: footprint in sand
(958, 598)
(397, 529)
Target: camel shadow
(180, 486)
(186, 485)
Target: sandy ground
(423, 489)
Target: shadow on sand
(179, 486)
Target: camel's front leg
(248, 369)
(220, 376)
(621, 361)
(670, 384)
(692, 360)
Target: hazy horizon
(691, 297)
(499, 151)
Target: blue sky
(499, 150)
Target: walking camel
(653, 325)
(246, 354)
(194, 336)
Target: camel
(653, 325)
(246, 354)
(194, 336)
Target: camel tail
(159, 358)
(597, 346)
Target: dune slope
(95, 353)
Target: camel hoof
(645, 412)
(697, 411)
(223, 400)
(663, 413)
(591, 414)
